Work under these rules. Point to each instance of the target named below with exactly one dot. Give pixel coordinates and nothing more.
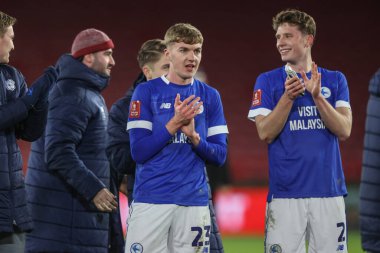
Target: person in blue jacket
(22, 116)
(370, 179)
(68, 195)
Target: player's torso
(176, 169)
(305, 151)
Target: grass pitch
(250, 244)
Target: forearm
(213, 152)
(12, 113)
(144, 146)
(338, 121)
(33, 127)
(270, 126)
(62, 159)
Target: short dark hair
(150, 52)
(183, 32)
(304, 21)
(5, 22)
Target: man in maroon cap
(68, 194)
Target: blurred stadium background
(239, 44)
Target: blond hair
(183, 32)
(5, 22)
(302, 20)
(150, 52)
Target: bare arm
(339, 120)
(270, 126)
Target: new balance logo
(165, 106)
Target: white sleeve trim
(342, 103)
(217, 130)
(139, 124)
(261, 111)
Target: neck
(174, 78)
(302, 65)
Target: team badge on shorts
(134, 111)
(275, 248)
(137, 248)
(256, 100)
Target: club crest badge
(275, 248)
(136, 248)
(326, 92)
(10, 85)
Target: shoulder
(149, 87)
(271, 79)
(68, 92)
(331, 73)
(11, 71)
(274, 73)
(206, 87)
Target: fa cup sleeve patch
(134, 111)
(256, 100)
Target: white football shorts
(168, 228)
(321, 222)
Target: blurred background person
(22, 116)
(370, 180)
(68, 195)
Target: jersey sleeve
(261, 101)
(343, 96)
(214, 148)
(145, 142)
(118, 144)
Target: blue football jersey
(172, 172)
(304, 159)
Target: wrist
(195, 139)
(172, 126)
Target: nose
(12, 45)
(191, 55)
(112, 61)
(280, 41)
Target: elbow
(220, 162)
(138, 157)
(266, 138)
(344, 136)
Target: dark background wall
(239, 44)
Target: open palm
(313, 85)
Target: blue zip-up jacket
(16, 121)
(370, 179)
(61, 190)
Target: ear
(167, 53)
(88, 59)
(309, 40)
(147, 72)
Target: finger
(194, 110)
(106, 208)
(194, 102)
(304, 77)
(187, 100)
(192, 107)
(177, 100)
